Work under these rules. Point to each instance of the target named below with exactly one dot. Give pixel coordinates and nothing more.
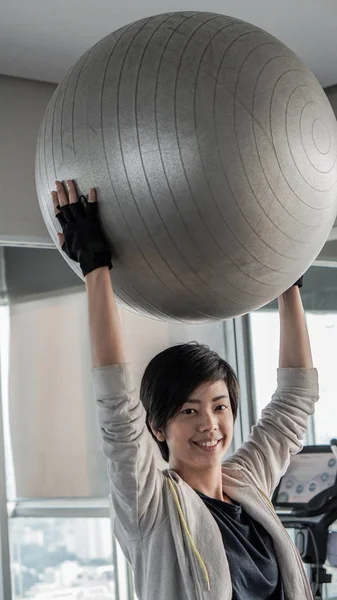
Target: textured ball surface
(213, 152)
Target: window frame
(238, 347)
(5, 567)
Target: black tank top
(250, 552)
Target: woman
(201, 529)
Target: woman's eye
(185, 411)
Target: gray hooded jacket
(168, 535)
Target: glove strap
(299, 282)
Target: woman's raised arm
(83, 241)
(105, 330)
(295, 350)
(280, 431)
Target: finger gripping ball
(213, 152)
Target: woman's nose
(208, 421)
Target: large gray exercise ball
(213, 152)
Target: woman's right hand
(82, 239)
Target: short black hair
(173, 374)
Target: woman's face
(205, 416)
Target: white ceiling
(41, 39)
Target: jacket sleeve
(133, 467)
(265, 457)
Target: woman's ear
(158, 433)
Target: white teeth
(208, 444)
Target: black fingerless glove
(84, 240)
(299, 282)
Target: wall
(331, 92)
(22, 106)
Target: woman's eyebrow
(196, 401)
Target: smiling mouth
(209, 448)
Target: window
(323, 335)
(52, 452)
(57, 558)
